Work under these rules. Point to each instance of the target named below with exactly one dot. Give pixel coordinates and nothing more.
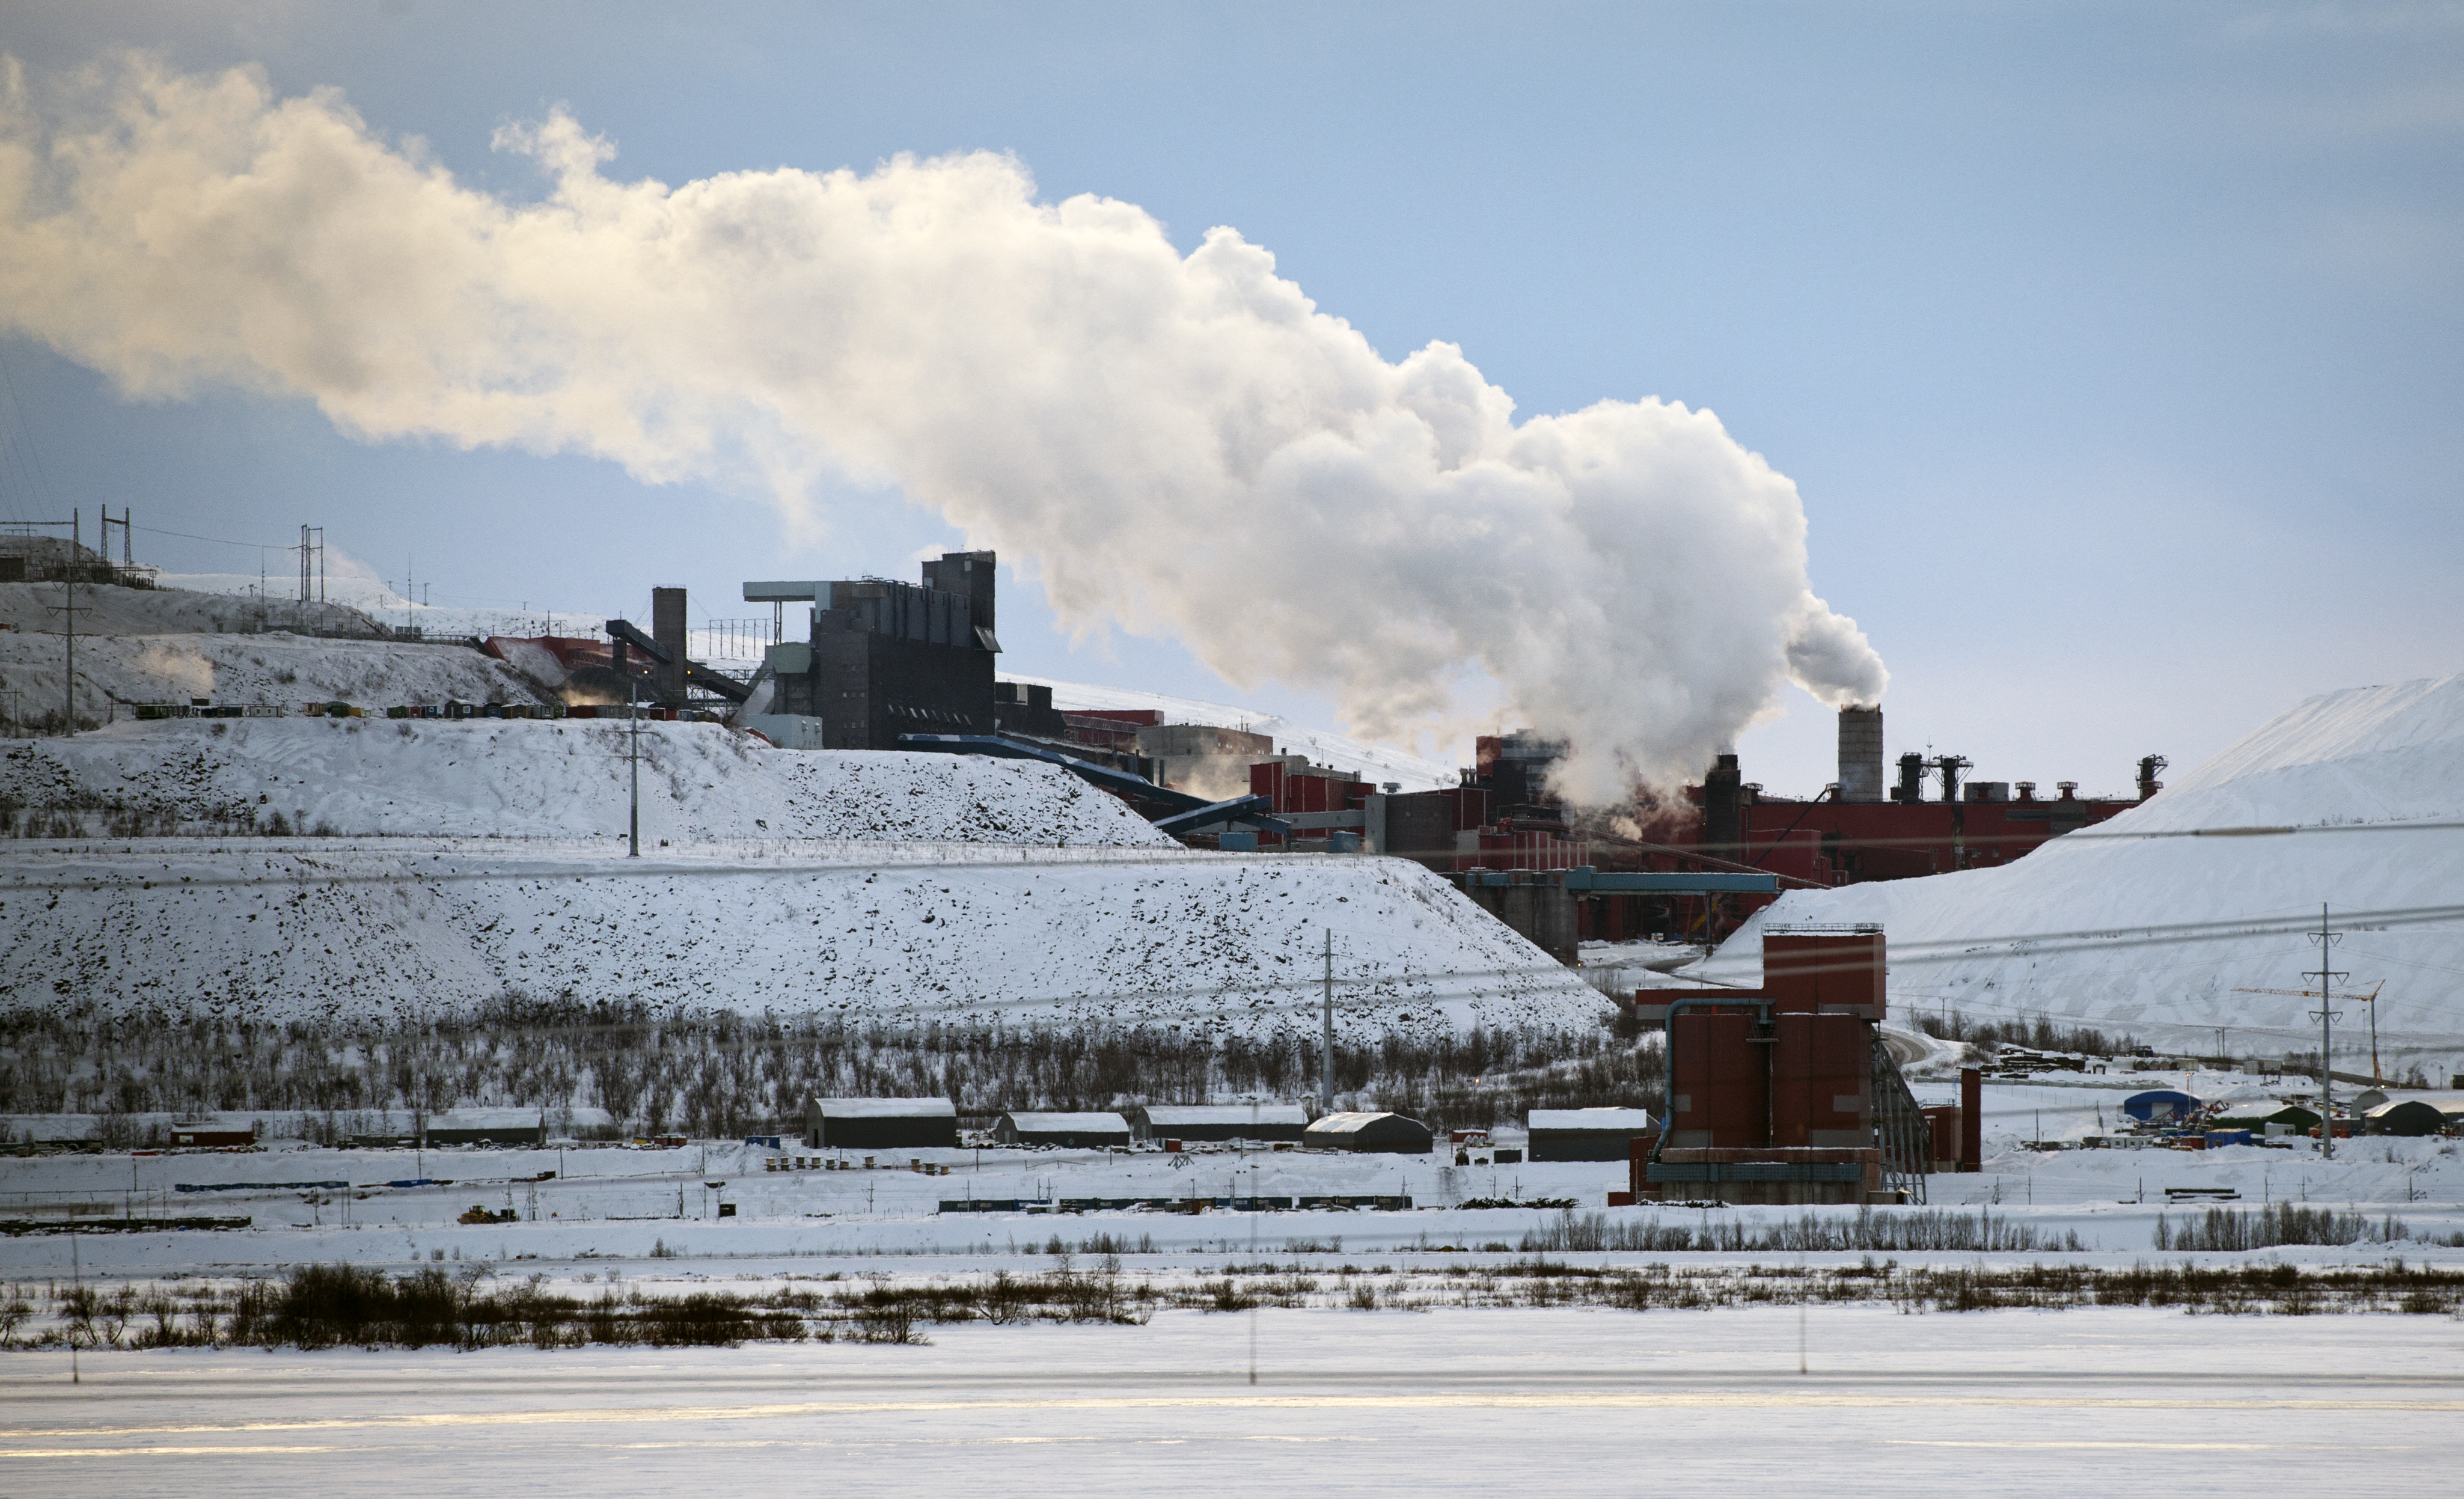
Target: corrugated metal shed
(1263, 1121)
(1072, 1131)
(1381, 1133)
(1585, 1133)
(881, 1124)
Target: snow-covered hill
(116, 671)
(543, 778)
(1224, 943)
(2359, 772)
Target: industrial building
(883, 659)
(1585, 1133)
(881, 1123)
(486, 1127)
(1218, 1122)
(1202, 756)
(1066, 1130)
(1369, 1134)
(1786, 1093)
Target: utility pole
(1326, 1070)
(624, 634)
(2325, 1016)
(68, 592)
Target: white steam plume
(1178, 444)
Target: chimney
(1860, 754)
(1950, 767)
(1911, 787)
(1723, 792)
(667, 629)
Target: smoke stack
(1723, 823)
(1860, 754)
(1911, 787)
(667, 629)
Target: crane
(2371, 999)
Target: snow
(1159, 1116)
(1445, 1399)
(1368, 760)
(2066, 931)
(275, 669)
(1450, 1402)
(1588, 1119)
(557, 779)
(887, 1108)
(1033, 1123)
(1222, 942)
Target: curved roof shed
(881, 1123)
(2404, 1117)
(2158, 1104)
(1370, 1133)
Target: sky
(2112, 349)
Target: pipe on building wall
(1971, 1120)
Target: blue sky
(2113, 349)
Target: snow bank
(2364, 761)
(326, 927)
(274, 667)
(554, 778)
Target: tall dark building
(890, 658)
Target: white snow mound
(278, 929)
(548, 779)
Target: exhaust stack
(1860, 754)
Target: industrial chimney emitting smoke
(1860, 754)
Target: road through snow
(1449, 1402)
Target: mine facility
(892, 665)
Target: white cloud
(1176, 444)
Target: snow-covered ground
(276, 669)
(1215, 941)
(2106, 1399)
(1448, 1398)
(608, 1201)
(382, 603)
(2077, 930)
(557, 779)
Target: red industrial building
(1785, 1093)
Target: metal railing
(1900, 1126)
